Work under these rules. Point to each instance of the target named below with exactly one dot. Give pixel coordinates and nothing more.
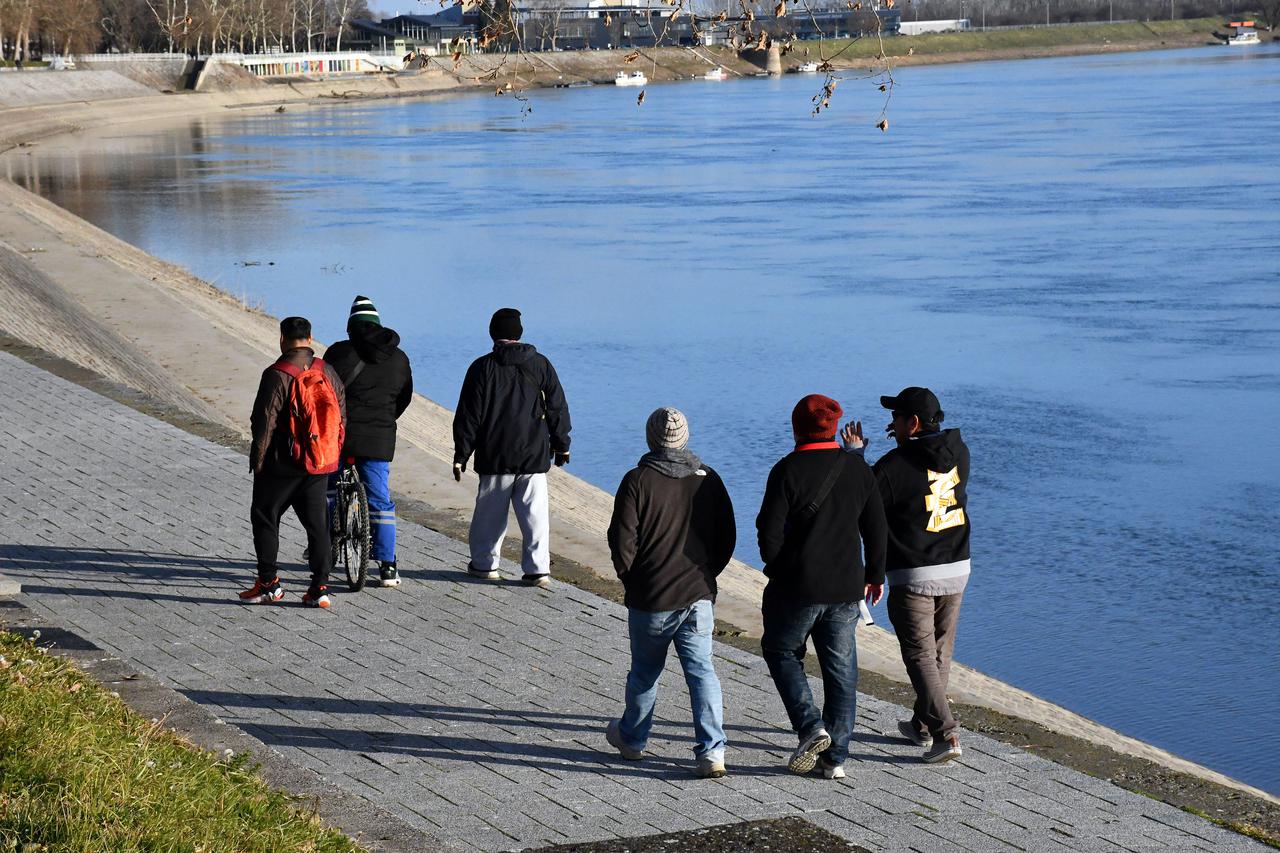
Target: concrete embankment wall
(93, 299)
(35, 88)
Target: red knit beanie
(816, 418)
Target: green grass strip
(1044, 38)
(81, 771)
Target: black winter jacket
(378, 394)
(511, 421)
(670, 537)
(819, 561)
(922, 485)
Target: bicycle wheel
(355, 542)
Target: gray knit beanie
(667, 429)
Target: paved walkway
(474, 710)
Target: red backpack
(316, 431)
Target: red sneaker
(263, 593)
(316, 598)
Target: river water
(1079, 255)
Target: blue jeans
(651, 633)
(786, 627)
(375, 474)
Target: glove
(458, 468)
(562, 459)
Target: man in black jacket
(922, 483)
(671, 535)
(512, 414)
(820, 512)
(379, 386)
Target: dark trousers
(787, 625)
(275, 492)
(926, 629)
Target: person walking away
(513, 416)
(820, 513)
(297, 424)
(379, 385)
(922, 484)
(672, 533)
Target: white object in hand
(865, 612)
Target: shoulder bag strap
(811, 509)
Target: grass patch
(1044, 38)
(79, 770)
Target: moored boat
(1245, 34)
(635, 78)
(716, 73)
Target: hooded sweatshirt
(922, 485)
(511, 413)
(378, 394)
(672, 532)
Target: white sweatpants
(527, 495)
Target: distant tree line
(31, 28)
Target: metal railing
(131, 57)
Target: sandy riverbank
(161, 331)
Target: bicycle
(349, 526)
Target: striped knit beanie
(667, 429)
(362, 311)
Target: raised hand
(853, 437)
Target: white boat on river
(1245, 34)
(635, 78)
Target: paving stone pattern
(474, 709)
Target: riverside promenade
(473, 711)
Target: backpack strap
(295, 371)
(355, 371)
(810, 509)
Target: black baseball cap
(917, 401)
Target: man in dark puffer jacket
(379, 385)
(671, 535)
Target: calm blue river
(1081, 256)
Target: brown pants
(926, 629)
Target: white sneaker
(831, 771)
(709, 768)
(806, 755)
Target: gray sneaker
(908, 730)
(614, 737)
(483, 574)
(943, 749)
(806, 755)
(709, 768)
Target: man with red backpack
(298, 424)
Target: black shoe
(486, 574)
(387, 570)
